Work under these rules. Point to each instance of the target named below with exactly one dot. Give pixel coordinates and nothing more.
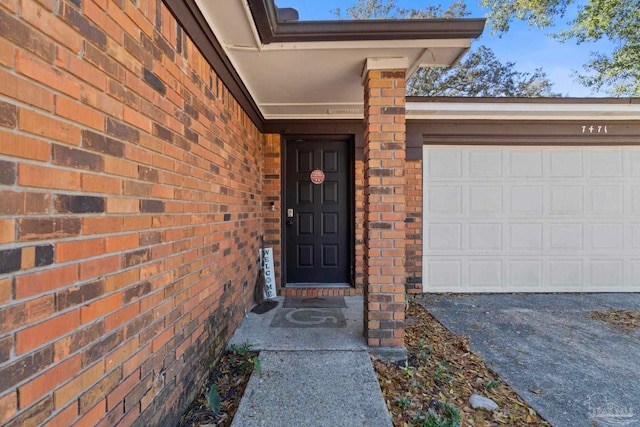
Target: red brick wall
(384, 236)
(273, 195)
(130, 213)
(359, 223)
(413, 191)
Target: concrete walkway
(315, 367)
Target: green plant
(407, 369)
(241, 350)
(244, 350)
(444, 364)
(424, 350)
(257, 367)
(450, 417)
(213, 398)
(403, 402)
(491, 384)
(442, 373)
(451, 413)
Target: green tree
(615, 20)
(479, 74)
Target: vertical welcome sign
(269, 274)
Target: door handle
(289, 216)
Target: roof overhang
(535, 109)
(310, 69)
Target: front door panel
(317, 220)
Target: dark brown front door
(317, 214)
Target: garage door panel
(606, 163)
(444, 237)
(485, 237)
(444, 274)
(526, 201)
(566, 274)
(606, 200)
(565, 164)
(635, 272)
(525, 237)
(607, 237)
(567, 200)
(525, 275)
(525, 163)
(531, 219)
(443, 200)
(635, 200)
(444, 164)
(485, 164)
(485, 274)
(635, 236)
(485, 200)
(634, 162)
(606, 273)
(566, 237)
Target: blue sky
(528, 48)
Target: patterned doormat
(314, 302)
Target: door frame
(350, 142)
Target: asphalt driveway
(575, 371)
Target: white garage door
(531, 219)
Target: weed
(424, 350)
(241, 350)
(244, 350)
(451, 412)
(213, 398)
(403, 402)
(442, 373)
(450, 417)
(407, 369)
(491, 384)
(257, 366)
(444, 364)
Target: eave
(281, 71)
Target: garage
(531, 218)
(528, 195)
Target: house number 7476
(595, 129)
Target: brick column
(384, 202)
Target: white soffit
(312, 80)
(521, 110)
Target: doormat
(314, 302)
(309, 318)
(264, 307)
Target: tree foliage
(615, 20)
(479, 74)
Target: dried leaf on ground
(624, 320)
(442, 369)
(230, 375)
